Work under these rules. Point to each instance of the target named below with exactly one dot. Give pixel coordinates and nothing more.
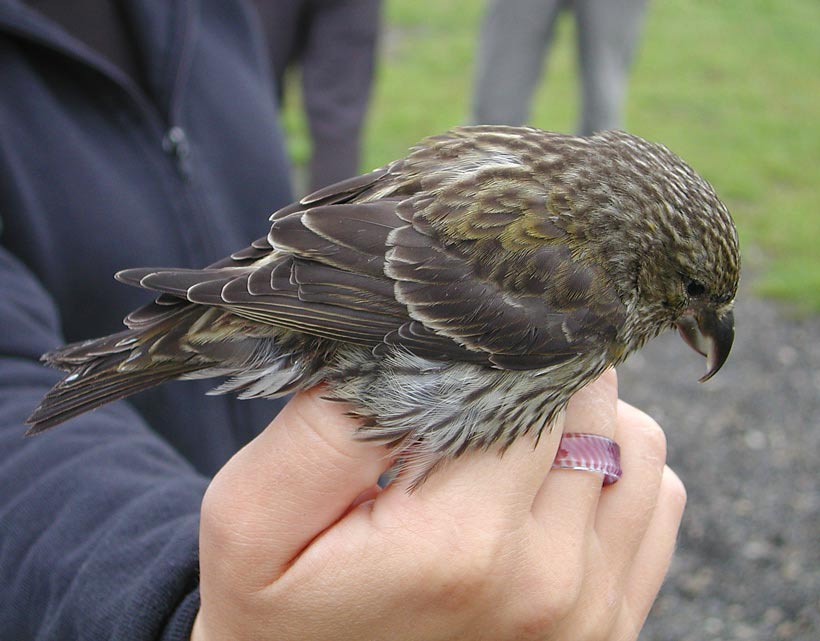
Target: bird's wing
(497, 283)
(320, 271)
(437, 274)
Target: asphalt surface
(747, 446)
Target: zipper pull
(175, 144)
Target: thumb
(293, 481)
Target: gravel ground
(747, 446)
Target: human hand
(297, 542)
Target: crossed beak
(710, 335)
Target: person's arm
(98, 517)
(297, 542)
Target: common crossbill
(456, 298)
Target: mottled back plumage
(457, 297)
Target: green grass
(732, 86)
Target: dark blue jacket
(99, 517)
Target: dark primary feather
(486, 276)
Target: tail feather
(77, 394)
(110, 368)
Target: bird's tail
(107, 369)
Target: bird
(455, 298)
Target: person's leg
(511, 52)
(337, 72)
(283, 25)
(608, 32)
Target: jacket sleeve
(98, 517)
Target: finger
(652, 560)
(293, 481)
(572, 493)
(625, 508)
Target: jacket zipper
(175, 144)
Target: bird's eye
(695, 288)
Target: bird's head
(694, 293)
(675, 242)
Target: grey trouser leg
(608, 32)
(514, 38)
